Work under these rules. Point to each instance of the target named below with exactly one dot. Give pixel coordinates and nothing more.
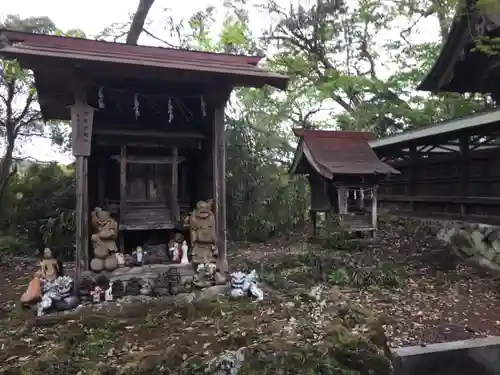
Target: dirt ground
(423, 296)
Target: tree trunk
(5, 172)
(138, 21)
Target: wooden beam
(342, 198)
(464, 176)
(123, 182)
(161, 143)
(148, 133)
(100, 185)
(375, 210)
(175, 185)
(412, 183)
(132, 159)
(81, 123)
(219, 176)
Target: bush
(41, 204)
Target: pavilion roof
(52, 58)
(333, 153)
(460, 67)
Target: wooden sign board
(82, 118)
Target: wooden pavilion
(147, 125)
(343, 171)
(464, 63)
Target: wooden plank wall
(466, 186)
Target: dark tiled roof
(333, 153)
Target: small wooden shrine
(343, 173)
(148, 132)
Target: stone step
(467, 357)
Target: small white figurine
(96, 294)
(108, 295)
(120, 258)
(139, 255)
(175, 253)
(184, 248)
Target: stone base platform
(146, 272)
(475, 356)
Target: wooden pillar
(100, 185)
(82, 116)
(375, 210)
(175, 186)
(342, 196)
(314, 221)
(412, 176)
(123, 193)
(464, 175)
(219, 176)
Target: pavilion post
(82, 116)
(374, 210)
(342, 197)
(219, 176)
(464, 171)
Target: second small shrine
(149, 143)
(343, 173)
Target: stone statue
(49, 266)
(185, 249)
(201, 224)
(204, 276)
(108, 294)
(174, 247)
(105, 233)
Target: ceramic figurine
(184, 259)
(252, 280)
(108, 295)
(238, 285)
(139, 255)
(121, 259)
(43, 305)
(49, 266)
(245, 285)
(175, 253)
(96, 294)
(146, 288)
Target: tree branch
(159, 39)
(138, 21)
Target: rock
(219, 278)
(133, 287)
(101, 251)
(97, 265)
(67, 303)
(489, 253)
(111, 263)
(496, 245)
(478, 241)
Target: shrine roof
(27, 46)
(333, 153)
(460, 67)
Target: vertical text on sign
(82, 120)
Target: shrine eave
(40, 52)
(459, 68)
(442, 71)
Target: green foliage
(340, 241)
(262, 202)
(338, 277)
(41, 203)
